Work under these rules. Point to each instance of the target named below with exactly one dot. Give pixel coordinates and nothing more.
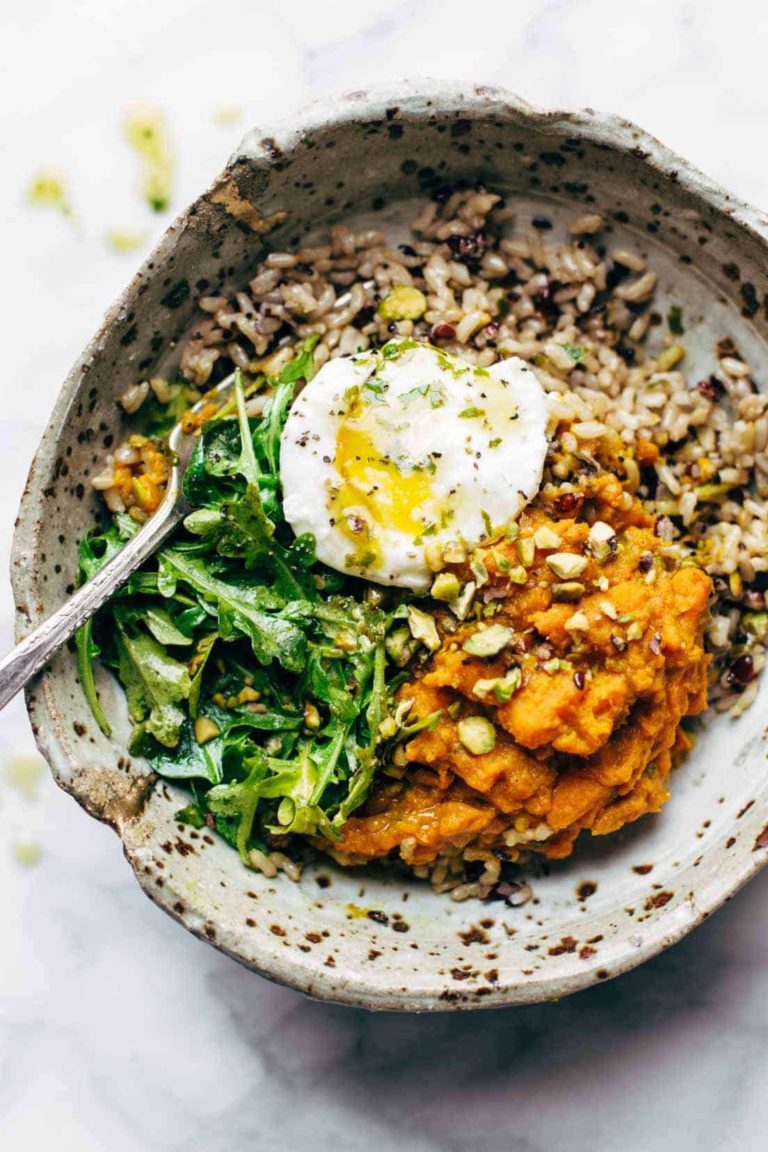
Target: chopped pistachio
(403, 708)
(670, 357)
(286, 811)
(603, 583)
(423, 628)
(454, 552)
(518, 575)
(568, 592)
(400, 645)
(513, 531)
(526, 550)
(462, 605)
(502, 688)
(477, 734)
(635, 631)
(545, 538)
(608, 609)
(579, 622)
(479, 570)
(206, 729)
(601, 540)
(445, 587)
(454, 709)
(756, 624)
(399, 757)
(312, 717)
(249, 695)
(404, 302)
(508, 685)
(481, 687)
(388, 727)
(566, 565)
(433, 554)
(489, 641)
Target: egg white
(471, 441)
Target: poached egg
(386, 455)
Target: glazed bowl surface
(367, 938)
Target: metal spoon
(28, 657)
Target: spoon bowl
(368, 938)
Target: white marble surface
(118, 1031)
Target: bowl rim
(263, 147)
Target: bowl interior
(359, 936)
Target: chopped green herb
(675, 320)
(576, 352)
(434, 392)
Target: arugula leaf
(202, 655)
(162, 627)
(213, 459)
(97, 549)
(189, 760)
(327, 684)
(88, 651)
(155, 683)
(245, 611)
(302, 367)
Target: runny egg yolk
(376, 492)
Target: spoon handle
(28, 657)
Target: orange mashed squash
(588, 738)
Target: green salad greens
(258, 676)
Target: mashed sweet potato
(609, 664)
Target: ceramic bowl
(367, 939)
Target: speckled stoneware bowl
(361, 938)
